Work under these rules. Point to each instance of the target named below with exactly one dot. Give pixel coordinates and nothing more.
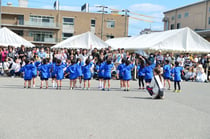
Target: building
(196, 16)
(44, 27)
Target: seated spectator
(15, 68)
(200, 74)
(190, 75)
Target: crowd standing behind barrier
(195, 67)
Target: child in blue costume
(34, 70)
(52, 70)
(167, 74)
(127, 74)
(79, 70)
(44, 70)
(177, 71)
(108, 66)
(59, 73)
(99, 69)
(73, 71)
(148, 71)
(27, 69)
(120, 72)
(141, 74)
(86, 70)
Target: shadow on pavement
(139, 97)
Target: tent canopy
(180, 40)
(86, 41)
(7, 37)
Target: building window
(40, 36)
(172, 26)
(179, 16)
(68, 21)
(172, 18)
(209, 21)
(178, 26)
(186, 14)
(110, 24)
(109, 37)
(66, 35)
(41, 19)
(20, 20)
(93, 23)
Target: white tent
(7, 37)
(180, 40)
(86, 41)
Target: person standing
(167, 74)
(177, 71)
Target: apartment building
(196, 16)
(44, 27)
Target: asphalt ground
(94, 114)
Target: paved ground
(93, 114)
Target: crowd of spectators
(12, 59)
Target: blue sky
(154, 8)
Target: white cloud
(147, 7)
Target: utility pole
(126, 19)
(102, 16)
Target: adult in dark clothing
(22, 52)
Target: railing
(41, 24)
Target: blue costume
(177, 73)
(167, 71)
(120, 68)
(34, 70)
(148, 70)
(107, 71)
(127, 72)
(73, 70)
(86, 71)
(100, 70)
(53, 70)
(27, 69)
(44, 71)
(79, 68)
(59, 71)
(140, 71)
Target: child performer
(59, 73)
(79, 70)
(108, 66)
(44, 70)
(148, 70)
(167, 74)
(155, 88)
(127, 74)
(53, 68)
(34, 70)
(177, 71)
(27, 69)
(99, 68)
(141, 74)
(86, 70)
(120, 72)
(73, 71)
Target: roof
(193, 4)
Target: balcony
(30, 24)
(41, 24)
